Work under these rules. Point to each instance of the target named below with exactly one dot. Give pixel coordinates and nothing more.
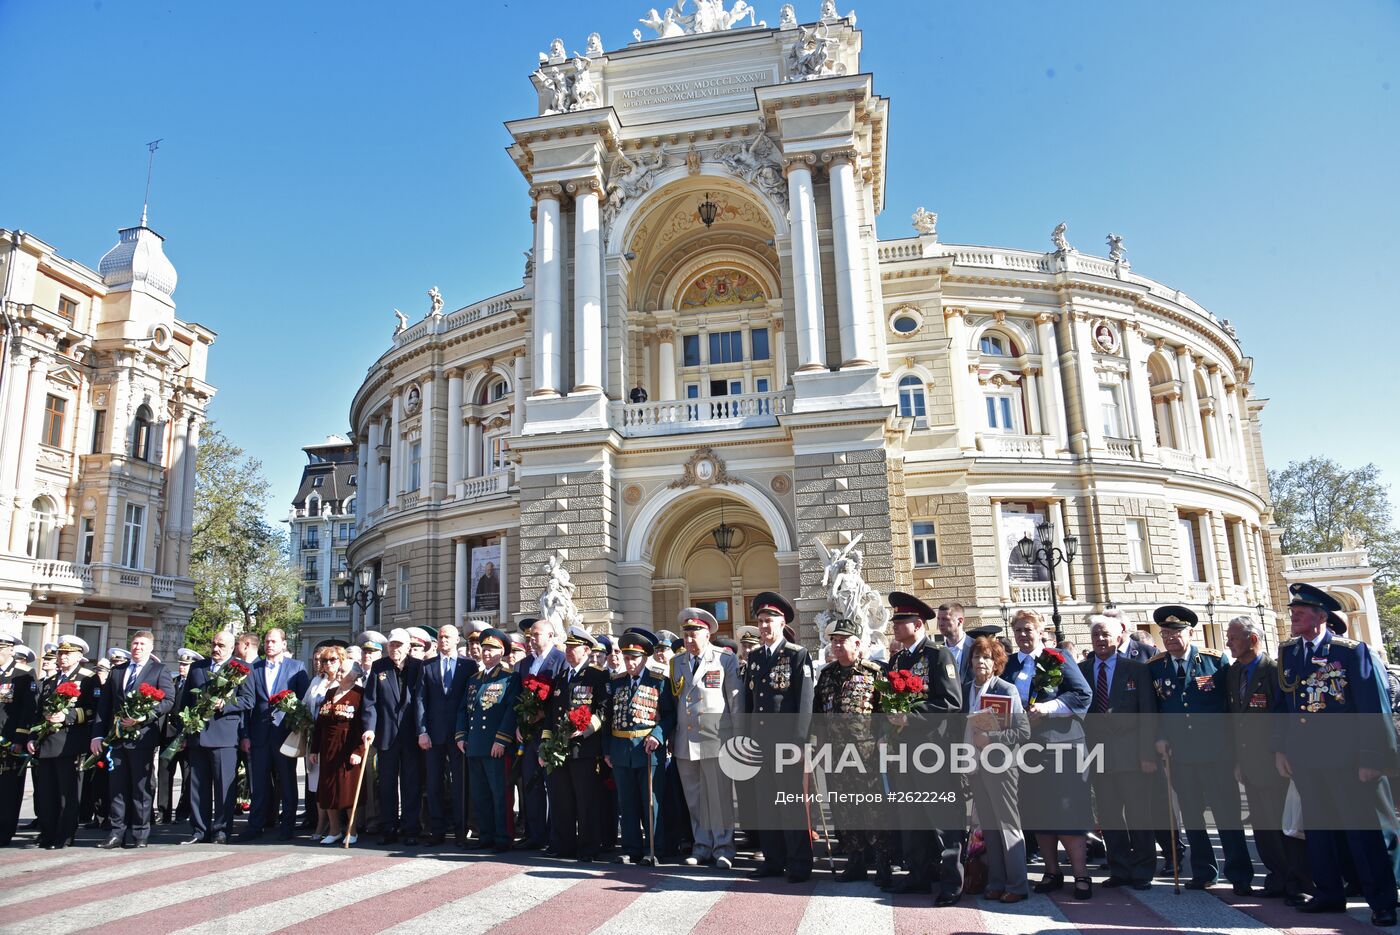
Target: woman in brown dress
(335, 741)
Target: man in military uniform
(485, 727)
(18, 713)
(1190, 684)
(1336, 763)
(169, 729)
(56, 763)
(706, 686)
(131, 762)
(778, 704)
(575, 787)
(846, 702)
(640, 711)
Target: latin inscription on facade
(703, 91)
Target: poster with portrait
(1013, 527)
(486, 578)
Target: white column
(16, 386)
(168, 549)
(1241, 557)
(1030, 382)
(1237, 409)
(1208, 556)
(549, 269)
(517, 414)
(666, 365)
(648, 341)
(474, 447)
(370, 484)
(1224, 436)
(966, 397)
(394, 467)
(850, 285)
(503, 572)
(1089, 405)
(427, 432)
(1190, 402)
(181, 565)
(361, 479)
(811, 331)
(1052, 386)
(454, 431)
(33, 410)
(780, 363)
(461, 583)
(590, 348)
(1139, 387)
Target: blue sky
(326, 162)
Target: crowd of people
(596, 747)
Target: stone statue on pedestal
(1057, 237)
(848, 596)
(557, 599)
(1115, 248)
(925, 222)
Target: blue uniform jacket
(224, 728)
(1192, 711)
(394, 701)
(487, 713)
(633, 715)
(1340, 678)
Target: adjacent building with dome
(712, 363)
(102, 395)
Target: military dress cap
(117, 654)
(579, 636)
(188, 655)
(636, 641)
(399, 635)
(431, 631)
(419, 635)
(493, 636)
(688, 618)
(725, 642)
(104, 664)
(677, 645)
(642, 631)
(748, 636)
(908, 607)
(772, 601)
(372, 639)
(1305, 595)
(24, 652)
(517, 640)
(527, 623)
(843, 627)
(665, 636)
(69, 643)
(986, 629)
(1337, 622)
(605, 642)
(8, 639)
(1174, 617)
(476, 626)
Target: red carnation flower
(151, 692)
(1055, 654)
(68, 690)
(580, 718)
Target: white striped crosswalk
(119, 869)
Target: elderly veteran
(640, 710)
(575, 788)
(485, 726)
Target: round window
(905, 325)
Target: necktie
(1244, 688)
(132, 671)
(446, 672)
(1181, 670)
(1101, 690)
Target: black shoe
(1112, 883)
(1083, 888)
(854, 870)
(766, 870)
(112, 843)
(1352, 890)
(192, 839)
(433, 840)
(912, 884)
(1315, 905)
(1200, 884)
(1273, 892)
(947, 899)
(1050, 883)
(800, 876)
(1384, 918)
(1243, 889)
(883, 878)
(389, 837)
(220, 838)
(410, 840)
(1296, 900)
(1142, 886)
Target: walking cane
(354, 806)
(1171, 819)
(651, 813)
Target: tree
(1318, 502)
(238, 560)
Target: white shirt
(1057, 707)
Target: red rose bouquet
(900, 691)
(1049, 672)
(554, 747)
(137, 706)
(63, 698)
(529, 705)
(296, 717)
(195, 716)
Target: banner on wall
(1014, 526)
(486, 578)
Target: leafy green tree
(239, 560)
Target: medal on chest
(492, 694)
(780, 676)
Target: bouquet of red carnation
(195, 716)
(554, 748)
(296, 717)
(137, 706)
(1049, 672)
(64, 697)
(529, 705)
(900, 691)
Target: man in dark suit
(213, 752)
(1252, 690)
(955, 639)
(18, 713)
(132, 761)
(780, 682)
(444, 682)
(544, 662)
(265, 733)
(1121, 719)
(393, 711)
(169, 728)
(575, 788)
(56, 756)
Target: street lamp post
(1259, 609)
(1046, 553)
(365, 595)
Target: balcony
(1028, 593)
(327, 616)
(1016, 446)
(311, 545)
(1122, 447)
(707, 414)
(487, 487)
(1312, 563)
(59, 578)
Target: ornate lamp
(1027, 549)
(708, 210)
(723, 533)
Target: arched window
(911, 397)
(493, 390)
(313, 505)
(142, 434)
(43, 525)
(994, 345)
(1164, 399)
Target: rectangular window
(132, 530)
(758, 341)
(726, 347)
(354, 480)
(760, 385)
(89, 538)
(415, 466)
(496, 444)
(719, 608)
(1139, 559)
(311, 569)
(925, 539)
(344, 530)
(1000, 413)
(317, 481)
(54, 408)
(1237, 561)
(690, 350)
(403, 589)
(1112, 417)
(67, 308)
(1189, 534)
(99, 429)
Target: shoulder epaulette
(507, 668)
(1346, 643)
(596, 668)
(869, 666)
(1291, 642)
(655, 668)
(87, 673)
(1209, 652)
(24, 667)
(1161, 655)
(620, 675)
